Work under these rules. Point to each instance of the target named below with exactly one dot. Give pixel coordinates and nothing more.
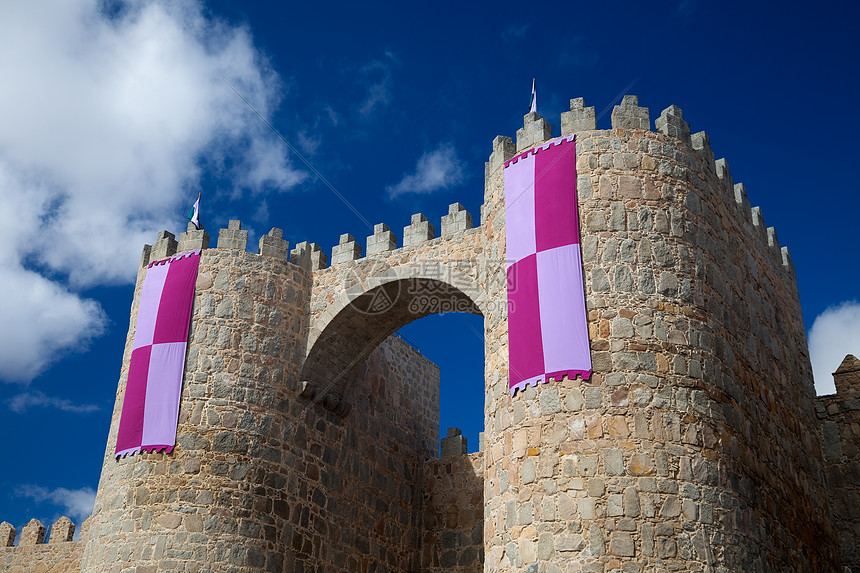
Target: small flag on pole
(533, 103)
(194, 214)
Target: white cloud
(333, 116)
(77, 503)
(309, 142)
(834, 333)
(377, 96)
(378, 75)
(436, 170)
(21, 402)
(105, 121)
(40, 320)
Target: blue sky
(113, 116)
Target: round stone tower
(693, 446)
(220, 499)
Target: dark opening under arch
(335, 358)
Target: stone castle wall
(453, 540)
(693, 446)
(37, 554)
(840, 432)
(308, 435)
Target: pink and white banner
(547, 327)
(150, 410)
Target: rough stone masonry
(308, 431)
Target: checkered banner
(547, 328)
(150, 410)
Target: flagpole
(533, 103)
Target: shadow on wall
(454, 510)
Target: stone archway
(367, 312)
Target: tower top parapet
(629, 115)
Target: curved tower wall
(692, 447)
(262, 479)
(217, 499)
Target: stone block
(623, 278)
(457, 220)
(702, 143)
(666, 547)
(721, 166)
(566, 542)
(62, 530)
(593, 397)
(32, 534)
(832, 443)
(346, 250)
(525, 513)
(528, 471)
(668, 284)
(647, 539)
(454, 443)
(759, 225)
(640, 465)
(595, 487)
(510, 514)
(599, 280)
(740, 194)
(503, 149)
(847, 376)
(192, 239)
(381, 240)
(233, 237)
(535, 130)
(145, 256)
(7, 534)
(786, 259)
(165, 246)
(629, 115)
(671, 122)
(418, 231)
(631, 502)
(550, 403)
(618, 216)
(587, 508)
(613, 462)
(273, 244)
(309, 256)
(597, 545)
(621, 544)
(579, 118)
(614, 505)
(772, 240)
(588, 465)
(545, 546)
(671, 507)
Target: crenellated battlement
(309, 255)
(628, 115)
(33, 533)
(59, 552)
